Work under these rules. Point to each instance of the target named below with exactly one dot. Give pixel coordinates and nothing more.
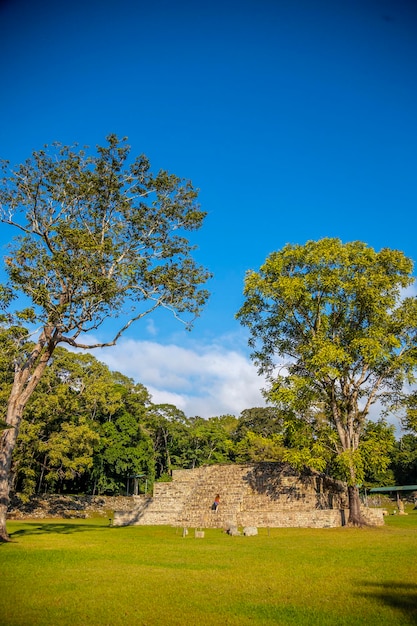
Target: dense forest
(89, 430)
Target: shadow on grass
(54, 528)
(397, 595)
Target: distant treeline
(89, 430)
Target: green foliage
(69, 452)
(94, 231)
(404, 460)
(375, 448)
(209, 441)
(333, 333)
(82, 429)
(257, 448)
(125, 450)
(264, 421)
(409, 403)
(3, 425)
(166, 427)
(309, 443)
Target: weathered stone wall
(259, 494)
(65, 506)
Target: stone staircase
(262, 494)
(225, 480)
(187, 500)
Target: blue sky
(297, 120)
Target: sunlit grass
(77, 573)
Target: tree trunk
(26, 378)
(7, 444)
(42, 473)
(355, 515)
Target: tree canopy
(334, 332)
(95, 232)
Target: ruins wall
(258, 494)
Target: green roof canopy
(404, 488)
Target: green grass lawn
(83, 572)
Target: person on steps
(216, 503)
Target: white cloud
(203, 379)
(151, 327)
(411, 291)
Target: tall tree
(98, 237)
(125, 451)
(167, 426)
(404, 460)
(333, 332)
(265, 421)
(209, 440)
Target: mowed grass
(81, 573)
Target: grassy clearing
(80, 573)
